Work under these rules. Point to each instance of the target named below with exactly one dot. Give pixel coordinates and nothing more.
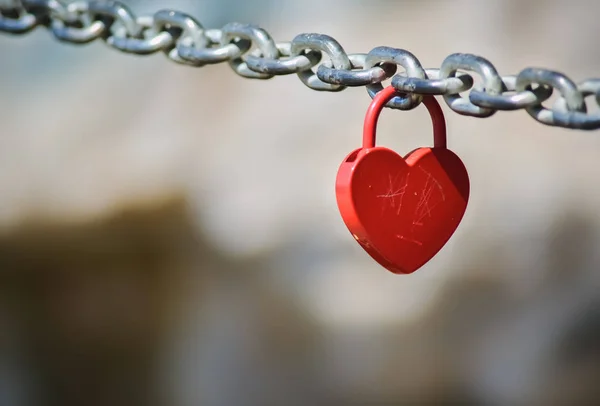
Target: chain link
(252, 53)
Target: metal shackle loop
(379, 102)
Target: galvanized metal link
(76, 25)
(569, 111)
(590, 87)
(197, 55)
(492, 82)
(432, 84)
(406, 60)
(319, 60)
(323, 43)
(117, 17)
(357, 75)
(285, 64)
(15, 19)
(184, 31)
(257, 37)
(518, 100)
(147, 41)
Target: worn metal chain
(252, 53)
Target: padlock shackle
(381, 99)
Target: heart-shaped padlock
(402, 211)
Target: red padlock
(402, 211)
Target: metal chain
(252, 53)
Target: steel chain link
(252, 53)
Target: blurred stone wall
(263, 296)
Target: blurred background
(169, 235)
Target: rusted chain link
(252, 53)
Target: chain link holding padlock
(252, 53)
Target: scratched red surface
(402, 211)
